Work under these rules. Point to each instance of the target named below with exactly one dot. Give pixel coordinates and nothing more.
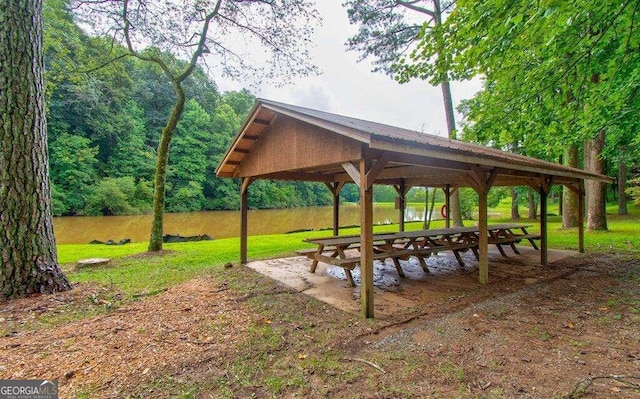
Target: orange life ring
(444, 211)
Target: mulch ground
(577, 335)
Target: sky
(349, 88)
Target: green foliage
(634, 190)
(468, 203)
(130, 155)
(186, 198)
(497, 194)
(73, 169)
(119, 196)
(384, 193)
(555, 73)
(385, 31)
(350, 193)
(104, 122)
(188, 160)
(240, 101)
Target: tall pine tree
(28, 256)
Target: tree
(154, 31)
(73, 163)
(28, 255)
(119, 196)
(188, 163)
(558, 73)
(386, 32)
(131, 156)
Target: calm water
(218, 224)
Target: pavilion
(286, 142)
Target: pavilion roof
(283, 141)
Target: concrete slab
(446, 279)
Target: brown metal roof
(429, 159)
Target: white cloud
(349, 88)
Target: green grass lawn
(283, 344)
(134, 274)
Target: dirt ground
(568, 330)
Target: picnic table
(394, 246)
(508, 234)
(338, 250)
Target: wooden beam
(581, 204)
(492, 178)
(262, 122)
(574, 187)
(467, 157)
(366, 241)
(483, 180)
(375, 170)
(543, 227)
(244, 207)
(447, 204)
(297, 176)
(335, 189)
(483, 233)
(416, 160)
(354, 173)
(253, 115)
(543, 188)
(401, 195)
(245, 184)
(546, 183)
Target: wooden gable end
(290, 144)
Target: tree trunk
(155, 242)
(515, 214)
(622, 183)
(596, 191)
(456, 216)
(532, 205)
(28, 256)
(426, 221)
(569, 198)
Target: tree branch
(412, 6)
(104, 64)
(202, 48)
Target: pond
(217, 224)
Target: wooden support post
(483, 243)
(581, 216)
(544, 189)
(402, 196)
(447, 204)
(335, 189)
(481, 181)
(244, 207)
(366, 241)
(336, 214)
(543, 227)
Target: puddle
(446, 278)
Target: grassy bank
(133, 273)
(255, 338)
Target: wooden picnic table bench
(394, 246)
(420, 244)
(507, 234)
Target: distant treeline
(104, 123)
